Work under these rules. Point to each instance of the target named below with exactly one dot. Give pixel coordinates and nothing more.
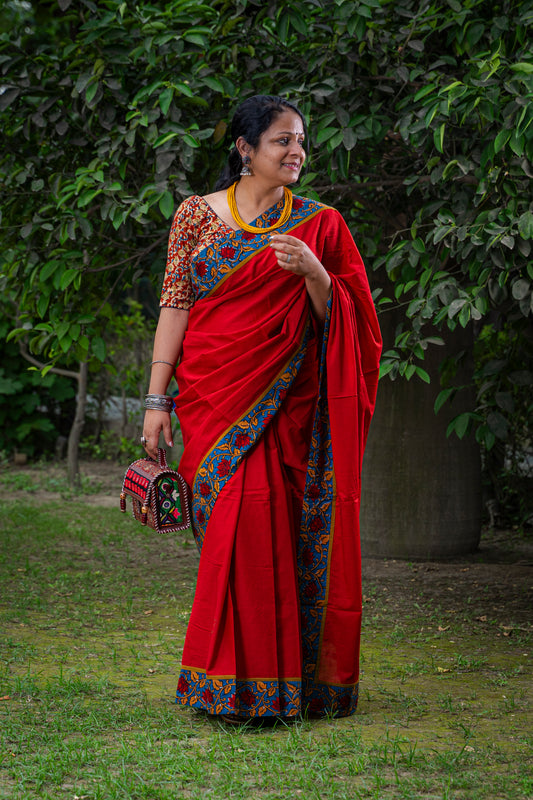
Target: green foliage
(128, 340)
(34, 410)
(420, 117)
(505, 409)
(111, 447)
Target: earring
(246, 167)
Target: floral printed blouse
(201, 247)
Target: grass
(46, 477)
(93, 613)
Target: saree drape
(274, 414)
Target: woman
(267, 305)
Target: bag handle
(162, 457)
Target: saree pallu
(274, 415)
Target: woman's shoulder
(192, 202)
(217, 201)
(192, 209)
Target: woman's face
(279, 156)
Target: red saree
(274, 419)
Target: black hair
(251, 119)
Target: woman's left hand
(294, 255)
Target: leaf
(525, 225)
(91, 91)
(522, 66)
(213, 83)
(220, 131)
(67, 278)
(65, 344)
(190, 140)
(422, 374)
(459, 425)
(325, 134)
(520, 289)
(386, 367)
(501, 140)
(498, 425)
(455, 306)
(442, 397)
(165, 99)
(298, 23)
(42, 304)
(349, 138)
(98, 348)
(505, 401)
(166, 204)
(7, 97)
(165, 137)
(184, 89)
(424, 91)
(440, 233)
(438, 137)
(464, 315)
(195, 38)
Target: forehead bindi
(286, 124)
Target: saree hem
(218, 695)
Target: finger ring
(144, 440)
(289, 257)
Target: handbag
(160, 495)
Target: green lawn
(93, 610)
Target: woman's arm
(168, 342)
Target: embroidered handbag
(160, 495)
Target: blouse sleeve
(177, 290)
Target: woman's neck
(253, 198)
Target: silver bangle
(159, 402)
(160, 361)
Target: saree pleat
(275, 415)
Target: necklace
(285, 214)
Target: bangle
(159, 402)
(160, 361)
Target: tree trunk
(77, 426)
(421, 491)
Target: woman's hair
(251, 119)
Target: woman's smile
(292, 165)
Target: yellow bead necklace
(285, 214)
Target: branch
(110, 293)
(127, 260)
(36, 363)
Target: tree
(420, 115)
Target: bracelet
(160, 361)
(159, 402)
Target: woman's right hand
(154, 423)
